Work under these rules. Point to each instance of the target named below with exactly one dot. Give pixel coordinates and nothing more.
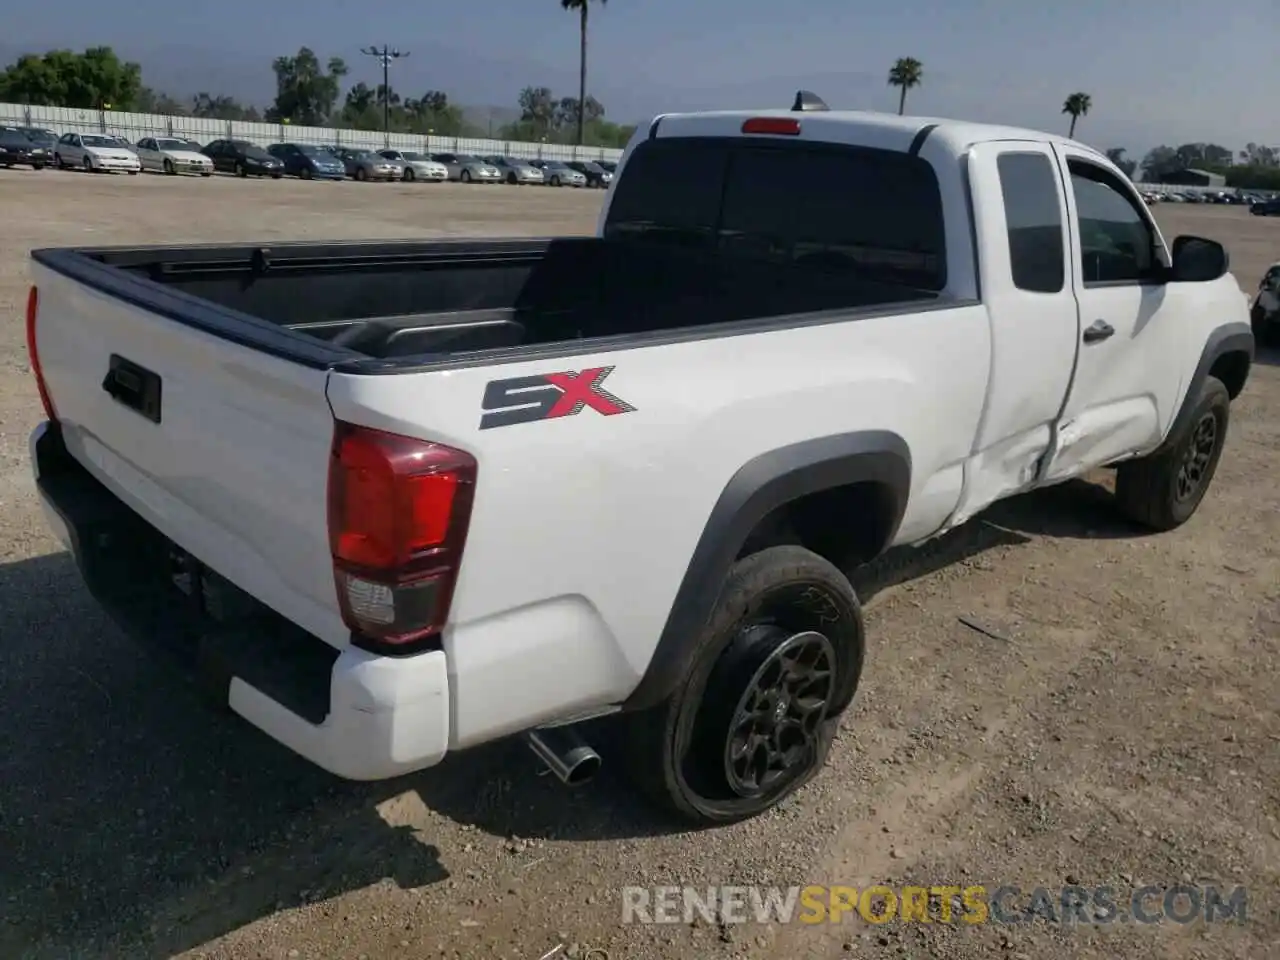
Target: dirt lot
(1116, 724)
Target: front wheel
(408, 175)
(241, 171)
(465, 176)
(87, 164)
(754, 717)
(1163, 490)
(169, 168)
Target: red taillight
(775, 125)
(399, 509)
(33, 308)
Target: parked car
(516, 171)
(243, 158)
(172, 156)
(417, 166)
(41, 137)
(366, 165)
(610, 165)
(597, 176)
(1264, 312)
(1266, 208)
(351, 540)
(559, 174)
(96, 153)
(17, 148)
(307, 161)
(465, 168)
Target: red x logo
(582, 390)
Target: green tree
(907, 73)
(222, 108)
(305, 93)
(581, 6)
(1078, 105)
(61, 78)
(1159, 161)
(1127, 167)
(152, 101)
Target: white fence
(133, 126)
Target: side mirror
(1198, 260)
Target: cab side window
(1117, 243)
(1033, 218)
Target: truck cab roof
(887, 131)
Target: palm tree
(907, 73)
(1077, 105)
(581, 6)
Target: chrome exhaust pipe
(565, 754)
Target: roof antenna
(807, 102)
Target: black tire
(1164, 490)
(409, 175)
(133, 173)
(169, 168)
(87, 164)
(1264, 329)
(37, 166)
(276, 176)
(206, 173)
(240, 170)
(782, 602)
(465, 176)
(361, 174)
(511, 179)
(306, 173)
(555, 181)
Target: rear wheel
(753, 720)
(1164, 490)
(1263, 326)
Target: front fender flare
(758, 488)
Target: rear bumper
(357, 715)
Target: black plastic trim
(917, 142)
(755, 490)
(1228, 338)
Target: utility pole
(386, 55)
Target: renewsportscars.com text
(973, 904)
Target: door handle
(1098, 331)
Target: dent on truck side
(755, 491)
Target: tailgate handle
(134, 386)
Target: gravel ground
(1114, 721)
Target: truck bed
(330, 304)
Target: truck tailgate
(222, 448)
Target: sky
(1157, 72)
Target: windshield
(253, 150)
(416, 157)
(467, 158)
(172, 145)
(91, 140)
(36, 133)
(593, 167)
(307, 149)
(359, 154)
(11, 136)
(555, 165)
(776, 206)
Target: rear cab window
(1033, 217)
(875, 214)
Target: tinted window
(870, 212)
(1028, 183)
(1115, 242)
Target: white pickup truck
(395, 499)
